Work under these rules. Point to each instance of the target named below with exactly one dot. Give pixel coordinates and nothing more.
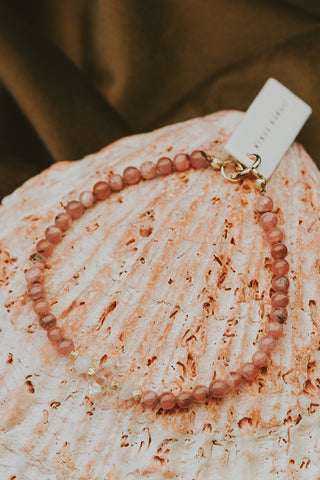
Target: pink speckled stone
(44, 247)
(260, 358)
(267, 344)
(47, 321)
(184, 399)
(74, 209)
(279, 299)
(181, 162)
(37, 260)
(200, 394)
(279, 315)
(167, 400)
(53, 234)
(264, 204)
(274, 236)
(131, 175)
(41, 307)
(218, 389)
(278, 251)
(233, 380)
(87, 199)
(149, 399)
(164, 166)
(275, 329)
(36, 291)
(268, 221)
(148, 170)
(198, 159)
(280, 267)
(55, 334)
(63, 221)
(101, 190)
(249, 371)
(116, 182)
(65, 346)
(280, 284)
(34, 275)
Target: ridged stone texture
(169, 277)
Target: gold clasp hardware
(233, 170)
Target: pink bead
(34, 275)
(87, 199)
(279, 315)
(279, 299)
(47, 321)
(74, 209)
(184, 399)
(181, 162)
(63, 221)
(55, 334)
(200, 394)
(198, 159)
(41, 307)
(149, 399)
(274, 236)
(115, 182)
(65, 346)
(44, 247)
(101, 190)
(233, 380)
(53, 234)
(260, 359)
(268, 221)
(264, 204)
(167, 400)
(249, 371)
(280, 267)
(38, 260)
(267, 344)
(280, 284)
(275, 329)
(36, 291)
(278, 250)
(164, 166)
(218, 389)
(148, 170)
(131, 175)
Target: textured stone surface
(169, 277)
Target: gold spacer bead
(114, 385)
(91, 371)
(74, 355)
(136, 395)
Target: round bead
(65, 346)
(149, 399)
(63, 221)
(41, 307)
(48, 321)
(279, 299)
(181, 162)
(280, 267)
(44, 247)
(38, 260)
(268, 221)
(249, 371)
(148, 170)
(36, 291)
(82, 364)
(200, 394)
(126, 391)
(115, 182)
(218, 389)
(53, 234)
(102, 190)
(274, 236)
(264, 204)
(184, 399)
(280, 284)
(167, 400)
(279, 315)
(87, 199)
(233, 380)
(164, 166)
(34, 275)
(267, 344)
(278, 250)
(260, 359)
(55, 334)
(131, 175)
(275, 329)
(198, 159)
(74, 209)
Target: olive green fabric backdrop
(78, 74)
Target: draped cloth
(79, 74)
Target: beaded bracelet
(104, 378)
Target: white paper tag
(269, 126)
